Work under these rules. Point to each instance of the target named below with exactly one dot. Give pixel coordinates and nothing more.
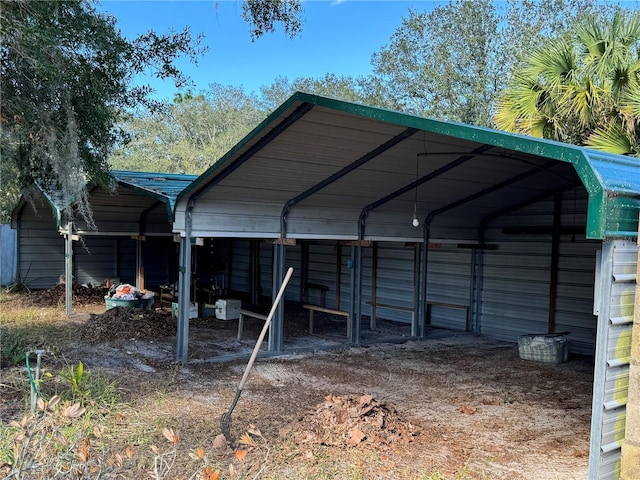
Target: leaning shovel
(225, 420)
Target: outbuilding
(421, 221)
(131, 240)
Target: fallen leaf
(220, 442)
(355, 436)
(467, 410)
(246, 439)
(241, 454)
(170, 435)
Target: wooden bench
(317, 308)
(376, 305)
(247, 313)
(323, 289)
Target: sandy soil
(454, 403)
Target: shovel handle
(267, 322)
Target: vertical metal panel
(95, 259)
(267, 259)
(574, 300)
(159, 257)
(448, 281)
(276, 329)
(241, 266)
(126, 259)
(355, 309)
(266, 268)
(515, 290)
(613, 344)
(395, 278)
(8, 260)
(322, 269)
(294, 259)
(41, 248)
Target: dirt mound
(128, 323)
(54, 297)
(348, 421)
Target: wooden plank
(392, 307)
(317, 308)
(247, 313)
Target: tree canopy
(190, 134)
(66, 82)
(65, 78)
(452, 62)
(581, 88)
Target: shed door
(616, 285)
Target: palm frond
(612, 138)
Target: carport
(533, 222)
(132, 223)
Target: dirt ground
(464, 406)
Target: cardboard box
(193, 310)
(226, 309)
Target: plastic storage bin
(115, 302)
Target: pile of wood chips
(55, 296)
(349, 421)
(128, 323)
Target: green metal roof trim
(612, 181)
(164, 187)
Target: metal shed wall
(125, 211)
(519, 273)
(40, 247)
(615, 319)
(449, 275)
(8, 257)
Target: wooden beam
(290, 242)
(356, 243)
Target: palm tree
(583, 88)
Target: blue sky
(338, 37)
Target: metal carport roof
(150, 189)
(324, 168)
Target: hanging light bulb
(416, 222)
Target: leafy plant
(12, 349)
(78, 380)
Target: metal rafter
(341, 173)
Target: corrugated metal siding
(449, 281)
(515, 295)
(293, 259)
(93, 260)
(617, 287)
(240, 266)
(8, 260)
(518, 274)
(158, 254)
(40, 248)
(322, 269)
(574, 301)
(126, 260)
(395, 280)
